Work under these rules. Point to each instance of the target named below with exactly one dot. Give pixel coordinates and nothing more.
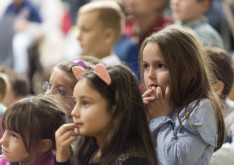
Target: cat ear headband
(99, 70)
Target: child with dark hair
(29, 136)
(184, 111)
(110, 119)
(223, 71)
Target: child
(224, 73)
(184, 112)
(190, 13)
(62, 82)
(110, 118)
(145, 17)
(29, 136)
(99, 24)
(18, 86)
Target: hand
(64, 136)
(157, 104)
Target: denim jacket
(186, 144)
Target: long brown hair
(190, 71)
(129, 125)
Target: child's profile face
(13, 149)
(187, 10)
(155, 70)
(90, 113)
(91, 35)
(61, 81)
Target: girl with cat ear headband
(111, 130)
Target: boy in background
(190, 13)
(99, 28)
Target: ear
(205, 5)
(110, 36)
(219, 86)
(45, 145)
(77, 71)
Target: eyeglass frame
(47, 86)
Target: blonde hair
(110, 15)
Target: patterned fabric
(208, 35)
(131, 152)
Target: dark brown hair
(35, 118)
(222, 68)
(129, 125)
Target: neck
(103, 53)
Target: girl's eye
(161, 66)
(85, 102)
(145, 66)
(14, 135)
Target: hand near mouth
(156, 103)
(64, 136)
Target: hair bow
(99, 70)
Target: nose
(49, 91)
(3, 139)
(152, 73)
(75, 112)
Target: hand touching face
(157, 81)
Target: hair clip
(81, 63)
(99, 70)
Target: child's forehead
(61, 77)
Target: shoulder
(201, 121)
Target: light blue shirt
(189, 145)
(207, 34)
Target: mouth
(152, 85)
(78, 125)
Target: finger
(167, 92)
(66, 127)
(65, 135)
(147, 93)
(158, 92)
(151, 98)
(145, 102)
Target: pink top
(3, 162)
(45, 159)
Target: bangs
(11, 121)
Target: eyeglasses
(48, 86)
